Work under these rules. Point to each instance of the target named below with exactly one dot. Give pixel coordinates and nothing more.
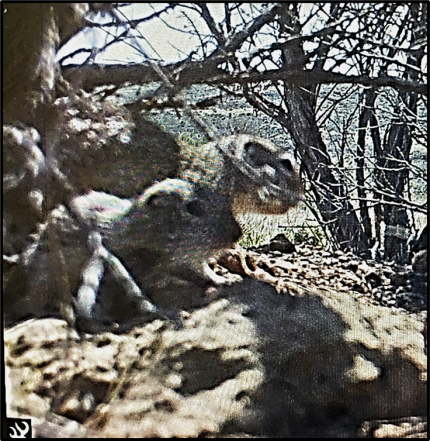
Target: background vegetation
(341, 85)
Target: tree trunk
(300, 120)
(365, 119)
(397, 147)
(330, 194)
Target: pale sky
(171, 45)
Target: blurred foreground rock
(254, 361)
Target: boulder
(254, 361)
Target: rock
(410, 427)
(419, 275)
(113, 149)
(282, 244)
(400, 278)
(335, 329)
(419, 263)
(297, 362)
(23, 167)
(420, 242)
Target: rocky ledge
(293, 345)
(387, 284)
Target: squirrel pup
(169, 233)
(165, 237)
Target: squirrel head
(264, 177)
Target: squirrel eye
(195, 208)
(255, 154)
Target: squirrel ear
(155, 200)
(169, 187)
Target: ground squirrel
(163, 238)
(167, 235)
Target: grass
(258, 229)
